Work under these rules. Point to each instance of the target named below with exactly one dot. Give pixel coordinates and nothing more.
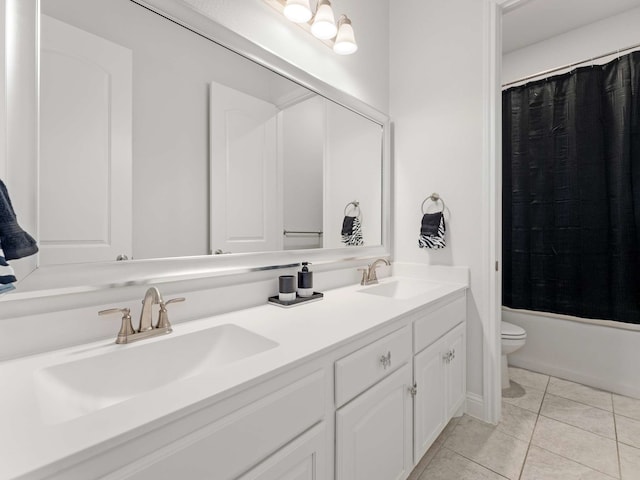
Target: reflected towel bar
(294, 232)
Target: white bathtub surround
(32, 439)
(600, 354)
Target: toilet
(513, 337)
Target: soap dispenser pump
(305, 281)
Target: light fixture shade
(298, 11)
(324, 23)
(345, 43)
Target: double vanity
(357, 385)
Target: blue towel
(16, 243)
(6, 288)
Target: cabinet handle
(453, 354)
(446, 357)
(413, 389)
(385, 360)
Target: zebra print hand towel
(352, 232)
(432, 231)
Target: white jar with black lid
(286, 288)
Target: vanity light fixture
(321, 24)
(345, 43)
(324, 22)
(298, 11)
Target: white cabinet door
(85, 169)
(440, 378)
(373, 432)
(429, 401)
(455, 367)
(302, 459)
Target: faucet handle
(126, 328)
(174, 300)
(163, 316)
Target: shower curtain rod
(556, 69)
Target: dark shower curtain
(571, 193)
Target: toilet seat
(510, 331)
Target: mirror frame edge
(22, 124)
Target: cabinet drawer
(231, 445)
(365, 367)
(435, 324)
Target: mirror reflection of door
(244, 180)
(85, 146)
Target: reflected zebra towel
(432, 231)
(352, 232)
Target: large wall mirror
(156, 142)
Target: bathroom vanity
(356, 386)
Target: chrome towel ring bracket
(355, 206)
(435, 198)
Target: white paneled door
(245, 213)
(85, 171)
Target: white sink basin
(73, 389)
(401, 289)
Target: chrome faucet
(146, 329)
(369, 276)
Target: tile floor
(551, 429)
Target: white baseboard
(475, 406)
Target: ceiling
(532, 21)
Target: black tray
(298, 300)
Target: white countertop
(28, 443)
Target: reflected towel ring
(434, 197)
(356, 206)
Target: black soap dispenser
(305, 281)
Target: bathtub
(599, 353)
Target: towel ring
(434, 197)
(356, 206)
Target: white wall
(596, 355)
(581, 44)
(363, 75)
(436, 107)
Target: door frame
(492, 200)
